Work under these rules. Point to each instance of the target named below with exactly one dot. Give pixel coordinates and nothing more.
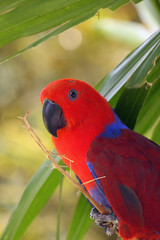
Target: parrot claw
(109, 222)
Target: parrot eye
(73, 94)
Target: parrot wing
(131, 164)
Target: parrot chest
(75, 150)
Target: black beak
(53, 117)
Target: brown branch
(80, 187)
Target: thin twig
(92, 180)
(80, 187)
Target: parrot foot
(109, 222)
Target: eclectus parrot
(86, 130)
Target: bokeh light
(70, 39)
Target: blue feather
(97, 192)
(157, 232)
(114, 129)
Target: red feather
(131, 164)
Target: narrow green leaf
(154, 75)
(81, 220)
(140, 74)
(156, 135)
(59, 208)
(136, 90)
(137, 1)
(119, 3)
(37, 16)
(150, 111)
(47, 36)
(10, 4)
(130, 104)
(35, 196)
(120, 75)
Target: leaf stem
(59, 209)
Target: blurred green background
(87, 52)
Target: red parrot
(86, 130)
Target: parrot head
(69, 103)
